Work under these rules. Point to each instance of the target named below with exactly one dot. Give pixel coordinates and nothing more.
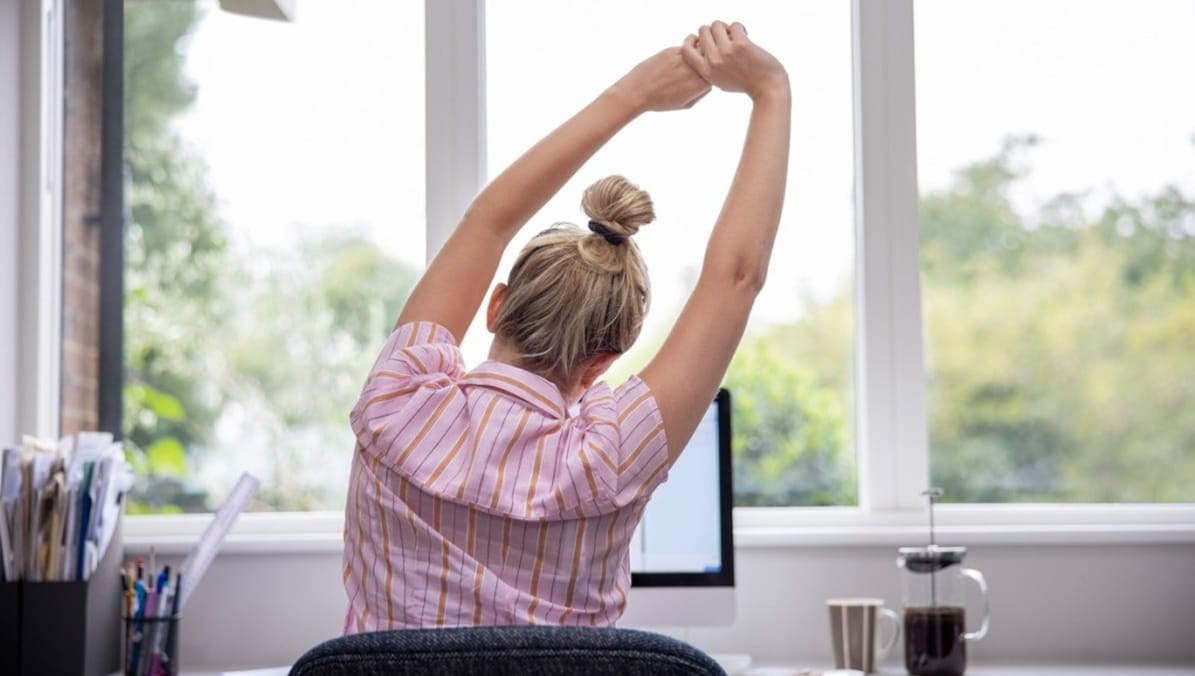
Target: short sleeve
(625, 441)
(419, 360)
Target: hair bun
(619, 205)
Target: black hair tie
(611, 236)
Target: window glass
(1056, 156)
(792, 380)
(276, 196)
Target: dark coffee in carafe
(934, 644)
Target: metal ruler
(209, 544)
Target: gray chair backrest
(495, 651)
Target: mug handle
(983, 588)
(890, 616)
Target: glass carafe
(934, 590)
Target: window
(1043, 384)
(1056, 154)
(793, 377)
(276, 194)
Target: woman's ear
(495, 306)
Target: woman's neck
(503, 351)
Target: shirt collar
(535, 390)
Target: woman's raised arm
(685, 374)
(455, 283)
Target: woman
(476, 497)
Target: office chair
(498, 651)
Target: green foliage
(789, 433)
(174, 252)
(281, 340)
(166, 457)
(140, 508)
(155, 90)
(1058, 343)
(1058, 346)
(159, 405)
(307, 332)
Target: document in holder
(10, 494)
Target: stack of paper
(59, 505)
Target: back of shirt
(476, 499)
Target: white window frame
(33, 261)
(892, 429)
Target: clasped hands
(717, 56)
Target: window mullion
(893, 460)
(38, 252)
(455, 104)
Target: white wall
(1089, 603)
(10, 72)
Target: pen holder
(150, 646)
(69, 628)
(10, 627)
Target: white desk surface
(982, 668)
(813, 667)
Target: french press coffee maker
(933, 584)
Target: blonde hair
(572, 294)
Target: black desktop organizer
(64, 627)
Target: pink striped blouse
(475, 498)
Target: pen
(130, 600)
(138, 625)
(164, 605)
(158, 638)
(148, 629)
(178, 594)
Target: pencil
(167, 653)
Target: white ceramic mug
(854, 632)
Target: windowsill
(755, 528)
(972, 525)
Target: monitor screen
(685, 536)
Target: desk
(768, 668)
(984, 668)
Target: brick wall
(81, 210)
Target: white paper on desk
(91, 560)
(108, 525)
(70, 534)
(10, 492)
(46, 531)
(93, 445)
(10, 474)
(40, 467)
(56, 529)
(65, 449)
(32, 445)
(118, 480)
(41, 464)
(100, 477)
(18, 517)
(5, 545)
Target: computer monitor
(682, 553)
